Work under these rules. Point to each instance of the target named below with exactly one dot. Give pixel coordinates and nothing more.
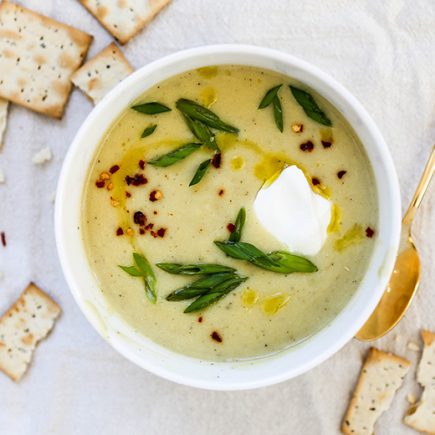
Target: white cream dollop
(293, 213)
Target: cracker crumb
(413, 346)
(42, 156)
(411, 398)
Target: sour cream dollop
(293, 213)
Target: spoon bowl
(405, 278)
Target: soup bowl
(231, 375)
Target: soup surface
(132, 206)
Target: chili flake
(231, 228)
(139, 218)
(119, 231)
(221, 192)
(3, 238)
(307, 146)
(155, 195)
(100, 183)
(114, 168)
(216, 160)
(370, 232)
(340, 174)
(161, 232)
(141, 231)
(136, 180)
(315, 181)
(200, 319)
(216, 336)
(142, 164)
(297, 128)
(326, 143)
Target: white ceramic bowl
(180, 368)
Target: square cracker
(3, 119)
(101, 73)
(124, 18)
(37, 57)
(421, 416)
(27, 322)
(381, 376)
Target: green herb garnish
(175, 156)
(194, 269)
(215, 294)
(277, 113)
(144, 270)
(202, 133)
(236, 235)
(311, 108)
(152, 108)
(272, 97)
(204, 115)
(200, 172)
(277, 261)
(199, 287)
(217, 282)
(269, 97)
(148, 130)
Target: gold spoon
(406, 274)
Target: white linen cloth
(384, 53)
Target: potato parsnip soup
(229, 213)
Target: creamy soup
(133, 206)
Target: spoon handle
(421, 189)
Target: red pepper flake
(100, 183)
(307, 146)
(119, 231)
(315, 181)
(155, 212)
(370, 232)
(3, 238)
(142, 164)
(139, 218)
(161, 232)
(127, 194)
(221, 192)
(114, 168)
(217, 160)
(340, 174)
(149, 227)
(154, 234)
(326, 143)
(155, 195)
(200, 319)
(141, 231)
(231, 228)
(136, 180)
(216, 336)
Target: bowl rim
(229, 375)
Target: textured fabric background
(384, 53)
